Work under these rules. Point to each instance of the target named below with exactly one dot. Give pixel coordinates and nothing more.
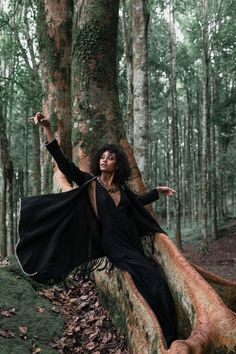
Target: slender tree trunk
(140, 18)
(190, 160)
(36, 168)
(3, 226)
(168, 174)
(214, 186)
(7, 200)
(175, 136)
(10, 207)
(205, 123)
(26, 157)
(126, 20)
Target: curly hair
(122, 173)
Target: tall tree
(126, 20)
(140, 19)
(205, 120)
(174, 126)
(6, 233)
(54, 27)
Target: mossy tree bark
(94, 86)
(96, 110)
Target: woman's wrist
(48, 133)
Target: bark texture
(94, 85)
(126, 20)
(140, 19)
(7, 227)
(174, 129)
(54, 34)
(205, 122)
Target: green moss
(131, 305)
(155, 344)
(19, 292)
(89, 40)
(53, 120)
(48, 174)
(88, 49)
(116, 314)
(99, 129)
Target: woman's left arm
(153, 195)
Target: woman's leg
(156, 292)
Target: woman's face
(108, 162)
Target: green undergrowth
(27, 321)
(192, 234)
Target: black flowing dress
(48, 248)
(122, 245)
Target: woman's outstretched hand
(45, 123)
(41, 119)
(165, 190)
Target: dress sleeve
(68, 168)
(149, 197)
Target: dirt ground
(221, 258)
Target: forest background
(176, 82)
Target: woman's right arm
(68, 168)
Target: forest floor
(221, 256)
(87, 325)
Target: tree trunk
(140, 18)
(205, 124)
(174, 133)
(190, 159)
(36, 167)
(7, 200)
(126, 21)
(54, 36)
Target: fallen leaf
(23, 329)
(7, 333)
(40, 309)
(90, 346)
(106, 338)
(56, 309)
(8, 313)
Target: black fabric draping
(58, 232)
(61, 231)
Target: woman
(102, 217)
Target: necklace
(109, 189)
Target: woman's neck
(107, 178)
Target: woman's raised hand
(45, 123)
(166, 190)
(41, 119)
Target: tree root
(212, 324)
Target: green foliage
(21, 93)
